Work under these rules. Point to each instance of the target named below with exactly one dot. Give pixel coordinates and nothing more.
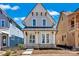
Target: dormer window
(45, 13)
(36, 13)
(34, 22)
(44, 22)
(32, 13)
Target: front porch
(39, 39)
(73, 22)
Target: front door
(4, 41)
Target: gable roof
(44, 8)
(76, 10)
(9, 18)
(59, 19)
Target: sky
(18, 11)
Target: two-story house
(39, 29)
(68, 29)
(10, 32)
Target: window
(44, 22)
(4, 40)
(36, 13)
(47, 35)
(62, 38)
(1, 11)
(41, 13)
(43, 38)
(32, 14)
(3, 23)
(34, 22)
(62, 18)
(45, 13)
(72, 23)
(32, 39)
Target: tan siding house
(68, 29)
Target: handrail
(73, 26)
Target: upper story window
(0, 11)
(32, 13)
(36, 13)
(45, 13)
(72, 23)
(62, 18)
(3, 23)
(44, 22)
(34, 22)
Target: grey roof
(4, 14)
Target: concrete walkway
(28, 52)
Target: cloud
(9, 7)
(54, 13)
(22, 18)
(16, 19)
(15, 8)
(19, 18)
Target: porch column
(8, 40)
(54, 39)
(37, 39)
(0, 41)
(25, 38)
(76, 39)
(76, 34)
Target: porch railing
(73, 26)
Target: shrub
(21, 46)
(8, 52)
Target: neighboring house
(10, 32)
(39, 29)
(68, 29)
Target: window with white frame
(32, 39)
(36, 13)
(34, 22)
(44, 22)
(43, 38)
(3, 23)
(47, 37)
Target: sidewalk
(28, 52)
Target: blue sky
(20, 10)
